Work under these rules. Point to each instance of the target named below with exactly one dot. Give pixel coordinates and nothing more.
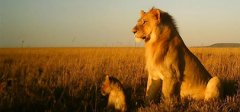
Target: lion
(170, 64)
(117, 97)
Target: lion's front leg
(153, 86)
(169, 87)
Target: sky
(100, 23)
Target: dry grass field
(69, 79)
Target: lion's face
(105, 88)
(146, 24)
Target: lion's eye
(144, 22)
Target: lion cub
(117, 98)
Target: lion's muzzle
(134, 31)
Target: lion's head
(147, 24)
(105, 88)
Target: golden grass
(68, 79)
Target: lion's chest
(156, 74)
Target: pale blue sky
(56, 23)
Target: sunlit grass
(68, 79)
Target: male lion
(170, 64)
(117, 97)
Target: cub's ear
(107, 78)
(157, 14)
(142, 12)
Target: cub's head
(105, 88)
(147, 24)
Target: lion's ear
(157, 14)
(142, 12)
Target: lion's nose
(134, 31)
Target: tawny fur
(170, 63)
(117, 99)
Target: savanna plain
(69, 79)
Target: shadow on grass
(31, 98)
(230, 87)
